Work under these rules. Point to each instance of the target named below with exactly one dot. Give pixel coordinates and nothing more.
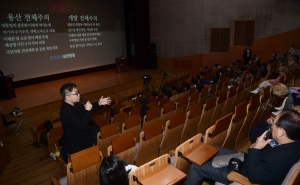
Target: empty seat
(151, 137)
(79, 172)
(207, 112)
(132, 124)
(182, 104)
(152, 115)
(173, 130)
(167, 110)
(180, 163)
(235, 125)
(119, 119)
(216, 134)
(158, 171)
(191, 122)
(238, 95)
(230, 98)
(123, 147)
(106, 134)
(252, 110)
(220, 103)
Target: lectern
(9, 90)
(121, 65)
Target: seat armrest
(54, 181)
(236, 177)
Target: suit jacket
(270, 165)
(75, 122)
(245, 54)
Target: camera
(147, 77)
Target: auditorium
(148, 92)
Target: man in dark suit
(247, 54)
(268, 161)
(76, 119)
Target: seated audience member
(43, 138)
(282, 72)
(247, 54)
(273, 58)
(292, 100)
(114, 171)
(264, 69)
(262, 165)
(294, 63)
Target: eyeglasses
(77, 93)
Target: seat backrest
(132, 123)
(181, 163)
(84, 167)
(150, 143)
(235, 125)
(127, 110)
(252, 110)
(152, 115)
(39, 122)
(163, 101)
(182, 104)
(220, 103)
(173, 130)
(207, 112)
(55, 116)
(191, 122)
(216, 134)
(102, 122)
(264, 99)
(203, 94)
(230, 98)
(106, 134)
(174, 98)
(160, 97)
(220, 86)
(124, 147)
(120, 119)
(194, 98)
(168, 109)
(184, 94)
(53, 137)
(135, 110)
(213, 89)
(152, 105)
(238, 95)
(128, 103)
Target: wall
(263, 48)
(182, 27)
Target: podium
(121, 65)
(9, 90)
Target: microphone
(84, 101)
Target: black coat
(75, 122)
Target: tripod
(148, 86)
(164, 81)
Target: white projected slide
(53, 37)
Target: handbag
(223, 160)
